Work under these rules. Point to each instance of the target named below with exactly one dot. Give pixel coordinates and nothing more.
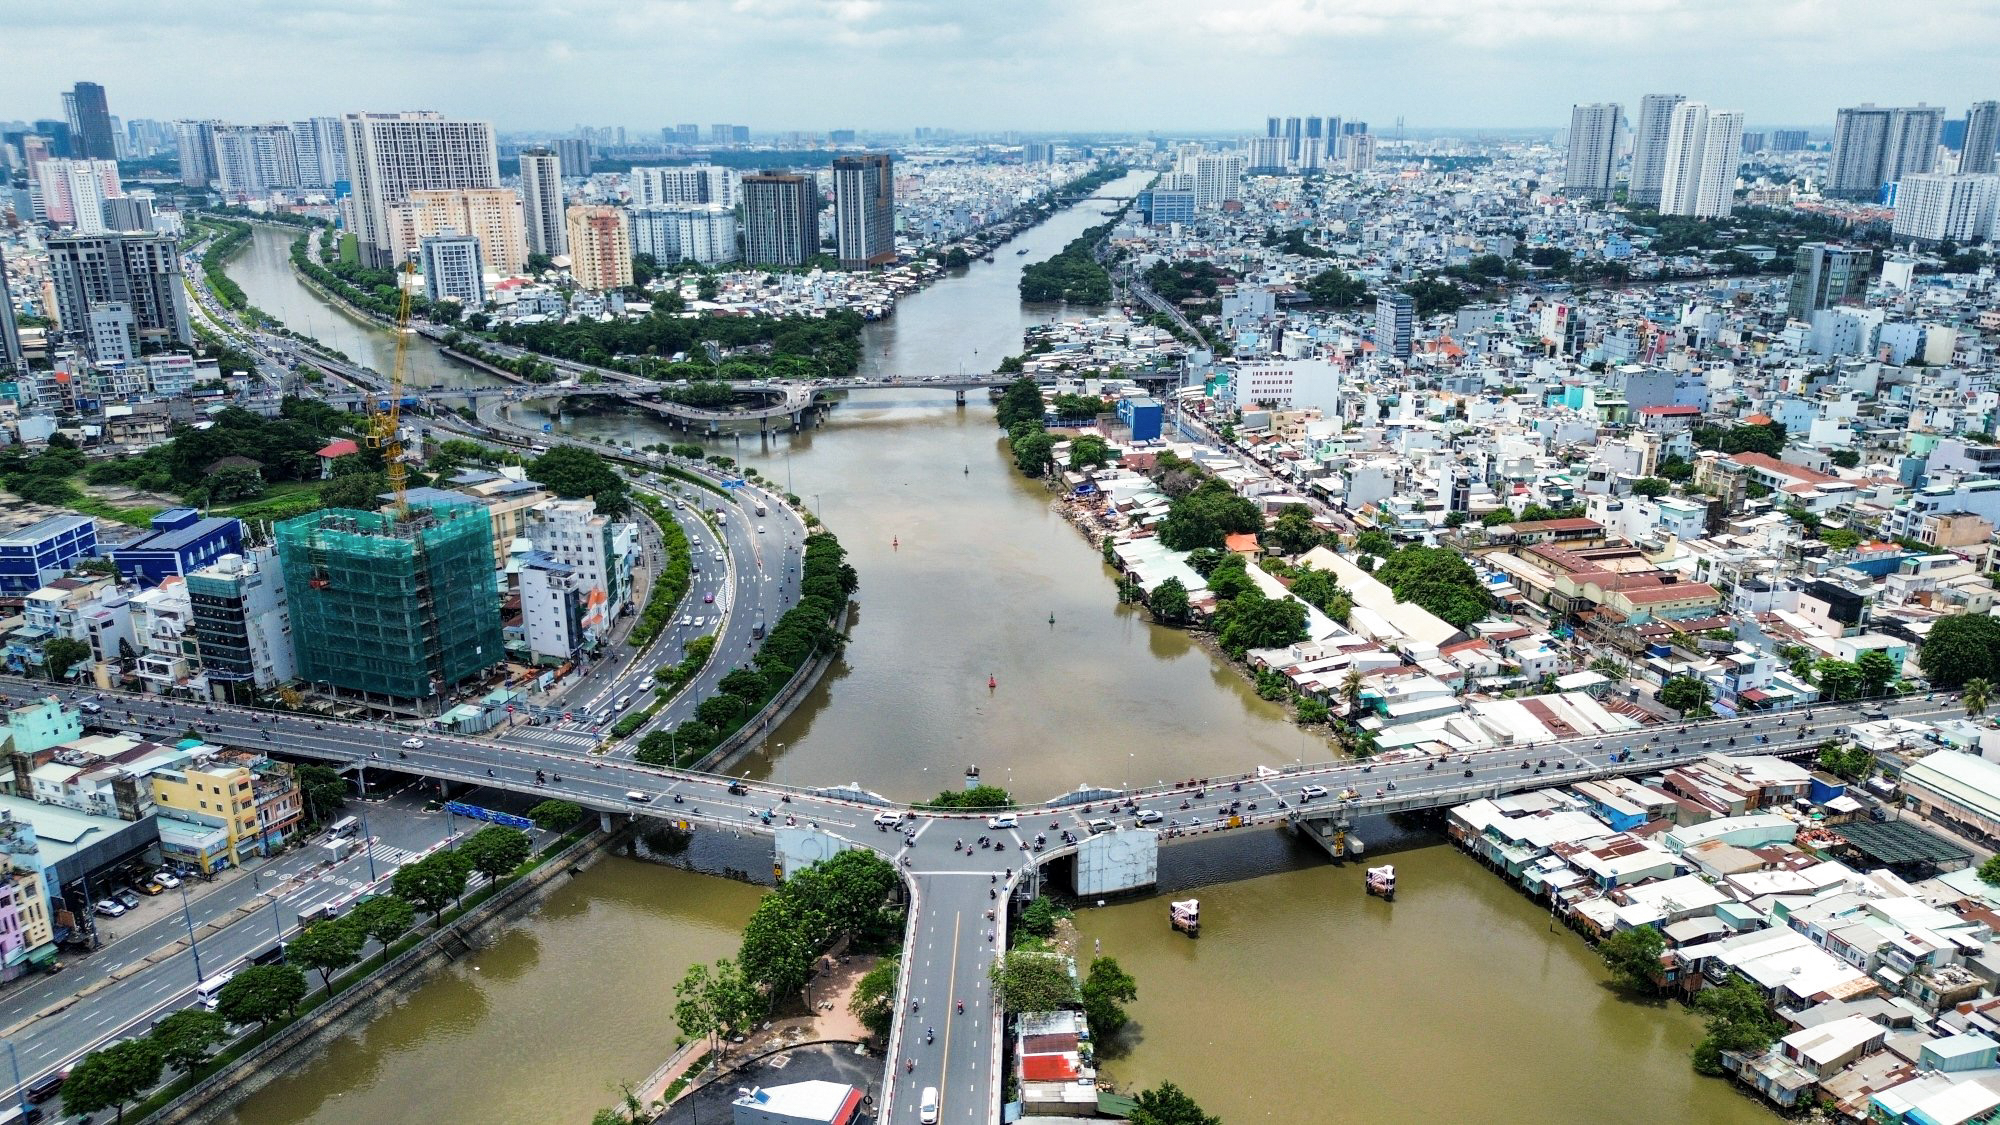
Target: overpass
(953, 934)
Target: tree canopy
(1439, 580)
(1207, 516)
(572, 472)
(1959, 648)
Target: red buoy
(991, 683)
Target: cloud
(1029, 64)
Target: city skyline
(1105, 67)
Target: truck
(757, 630)
(761, 509)
(337, 849)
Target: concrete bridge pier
(961, 396)
(1333, 833)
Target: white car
(166, 879)
(1311, 791)
(637, 797)
(413, 744)
(1097, 826)
(1004, 820)
(1149, 816)
(888, 819)
(927, 1105)
(110, 908)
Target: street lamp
(368, 841)
(187, 916)
(20, 1094)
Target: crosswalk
(577, 738)
(387, 857)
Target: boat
(1382, 881)
(1186, 916)
(1020, 252)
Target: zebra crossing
(387, 857)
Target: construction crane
(385, 417)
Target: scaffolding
(404, 607)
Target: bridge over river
(957, 923)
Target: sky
(1031, 65)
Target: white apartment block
(71, 193)
(1933, 206)
(1593, 150)
(552, 601)
(1704, 150)
(392, 155)
(698, 183)
(542, 201)
(574, 534)
(492, 215)
(1218, 179)
(453, 268)
(685, 233)
(1649, 147)
(250, 160)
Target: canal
(1326, 1005)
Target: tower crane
(385, 417)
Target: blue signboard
(474, 812)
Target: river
(1325, 1005)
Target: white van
(927, 1106)
(1004, 820)
(888, 819)
(209, 992)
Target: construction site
(392, 610)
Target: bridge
(1111, 834)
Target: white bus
(209, 992)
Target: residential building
(1934, 207)
(600, 248)
(1593, 150)
(129, 212)
(491, 215)
(391, 155)
(90, 132)
(72, 192)
(1164, 207)
(780, 218)
(397, 606)
(322, 152)
(1825, 274)
(597, 550)
(864, 210)
(1788, 140)
(41, 552)
(453, 268)
(574, 153)
(1650, 134)
(542, 202)
(197, 151)
(135, 278)
(1360, 154)
(242, 624)
(552, 608)
(1395, 323)
(11, 356)
(1218, 179)
(212, 794)
(1982, 138)
(1874, 146)
(182, 541)
(697, 183)
(162, 625)
(683, 232)
(1704, 150)
(250, 160)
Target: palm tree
(1350, 691)
(1976, 695)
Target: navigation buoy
(1052, 619)
(895, 544)
(992, 682)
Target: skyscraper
(695, 183)
(864, 210)
(1932, 206)
(600, 248)
(780, 218)
(71, 193)
(1982, 137)
(1593, 150)
(250, 160)
(1218, 178)
(1649, 147)
(1704, 150)
(1825, 274)
(1294, 138)
(11, 357)
(542, 201)
(321, 151)
(1874, 146)
(1395, 323)
(119, 285)
(492, 214)
(91, 137)
(390, 155)
(197, 151)
(1788, 140)
(452, 267)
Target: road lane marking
(951, 994)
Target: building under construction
(404, 607)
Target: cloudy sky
(980, 64)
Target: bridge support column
(961, 396)
(604, 822)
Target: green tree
(1676, 469)
(1107, 988)
(1989, 871)
(977, 797)
(1686, 694)
(434, 882)
(1876, 670)
(1088, 451)
(1293, 532)
(556, 816)
(362, 491)
(1034, 451)
(1333, 288)
(1251, 620)
(60, 654)
(324, 790)
(1838, 679)
(1846, 458)
(874, 998)
(1372, 542)
(261, 993)
(1032, 982)
(1439, 580)
(1651, 487)
(109, 1078)
(1976, 695)
(694, 1012)
(186, 1037)
(571, 472)
(1169, 603)
(496, 850)
(326, 947)
(1038, 918)
(383, 918)
(1960, 648)
(1849, 762)
(1020, 402)
(1634, 954)
(1738, 1020)
(1166, 1104)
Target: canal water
(1457, 1002)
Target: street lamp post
(368, 841)
(20, 1093)
(187, 916)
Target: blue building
(1142, 415)
(1163, 206)
(39, 553)
(182, 540)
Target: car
(687, 622)
(89, 708)
(1097, 826)
(708, 598)
(1004, 820)
(128, 897)
(888, 819)
(760, 529)
(108, 908)
(1148, 816)
(413, 744)
(927, 1105)
(738, 788)
(718, 556)
(637, 797)
(152, 887)
(1311, 791)
(166, 879)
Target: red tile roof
(1783, 468)
(340, 448)
(1670, 411)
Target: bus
(209, 992)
